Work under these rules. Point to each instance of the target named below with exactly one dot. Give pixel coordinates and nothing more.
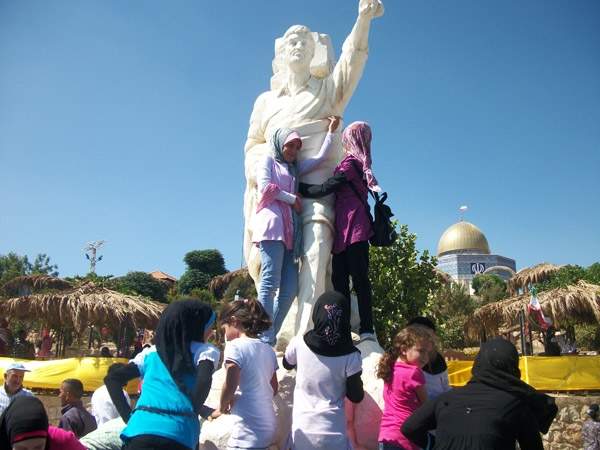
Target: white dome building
(463, 252)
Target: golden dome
(463, 236)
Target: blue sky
(125, 121)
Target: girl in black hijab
(493, 411)
(328, 368)
(330, 335)
(177, 374)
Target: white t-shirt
(200, 350)
(103, 408)
(255, 422)
(318, 418)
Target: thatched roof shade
(218, 285)
(578, 302)
(33, 283)
(531, 275)
(82, 307)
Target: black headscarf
(24, 417)
(330, 335)
(497, 365)
(181, 323)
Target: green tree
(202, 266)
(204, 295)
(242, 285)
(592, 274)
(12, 266)
(106, 281)
(210, 262)
(565, 276)
(144, 284)
(489, 288)
(192, 279)
(42, 265)
(587, 336)
(450, 307)
(402, 282)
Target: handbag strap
(365, 203)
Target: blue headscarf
(277, 140)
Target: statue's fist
(370, 8)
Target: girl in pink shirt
(404, 384)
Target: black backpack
(384, 232)
(383, 228)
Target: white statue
(306, 88)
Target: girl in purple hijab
(352, 179)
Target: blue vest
(160, 391)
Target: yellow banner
(50, 374)
(546, 373)
(557, 373)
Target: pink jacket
(59, 439)
(277, 188)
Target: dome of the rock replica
(464, 252)
(463, 237)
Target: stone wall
(565, 432)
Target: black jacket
(475, 417)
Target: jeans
(279, 272)
(354, 262)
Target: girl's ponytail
(259, 320)
(385, 368)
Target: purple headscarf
(356, 140)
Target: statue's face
(299, 49)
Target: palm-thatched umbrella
(578, 302)
(87, 305)
(27, 284)
(530, 275)
(218, 285)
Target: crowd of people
(495, 410)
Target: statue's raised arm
(349, 68)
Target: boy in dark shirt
(74, 417)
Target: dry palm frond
(82, 307)
(531, 275)
(218, 285)
(34, 283)
(578, 302)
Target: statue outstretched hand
(370, 8)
